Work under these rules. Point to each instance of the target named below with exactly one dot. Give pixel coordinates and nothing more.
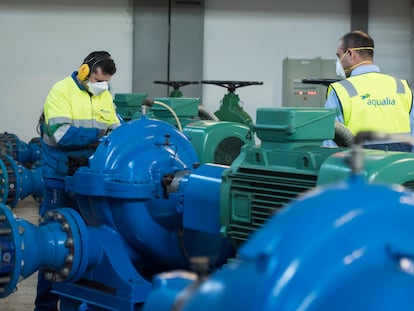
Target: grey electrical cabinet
(299, 94)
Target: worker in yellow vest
(78, 112)
(366, 99)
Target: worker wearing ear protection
(368, 100)
(78, 112)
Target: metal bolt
(48, 276)
(7, 257)
(5, 231)
(5, 280)
(69, 258)
(65, 227)
(65, 272)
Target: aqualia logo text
(381, 102)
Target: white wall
(43, 41)
(248, 40)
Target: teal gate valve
(230, 108)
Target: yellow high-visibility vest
(66, 103)
(375, 102)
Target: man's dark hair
(357, 39)
(100, 59)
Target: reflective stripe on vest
(375, 102)
(66, 105)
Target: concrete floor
(23, 298)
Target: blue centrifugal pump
(130, 223)
(147, 206)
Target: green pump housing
(128, 105)
(290, 161)
(185, 108)
(216, 142)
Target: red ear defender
(83, 72)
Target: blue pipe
(17, 182)
(27, 248)
(67, 250)
(26, 153)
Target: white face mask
(97, 88)
(340, 72)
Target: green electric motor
(291, 161)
